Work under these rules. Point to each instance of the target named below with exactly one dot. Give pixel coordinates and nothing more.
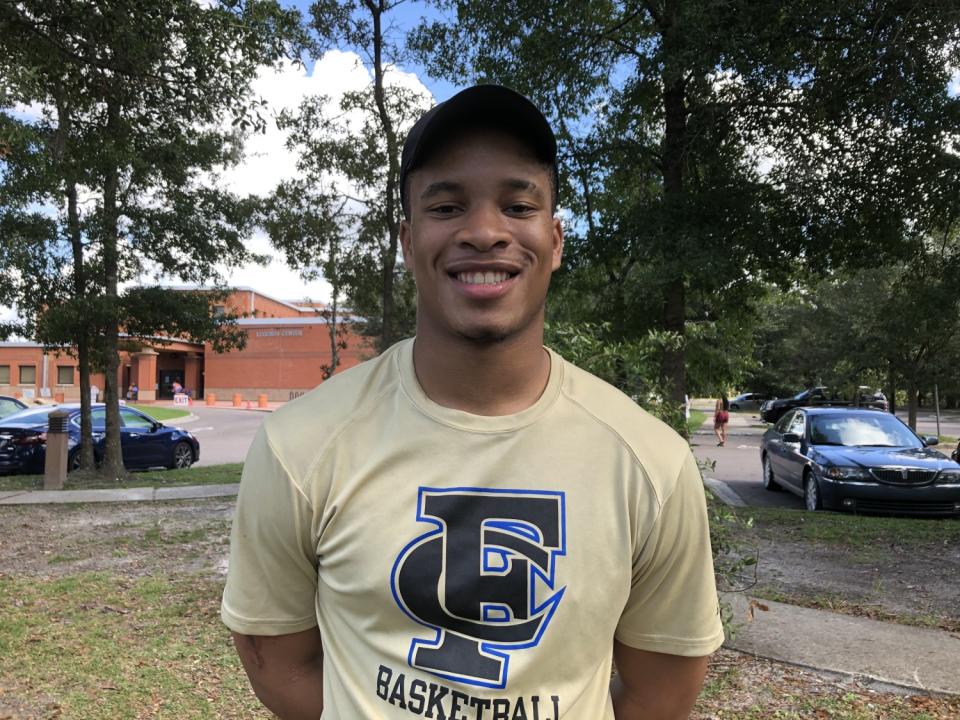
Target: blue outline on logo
(549, 606)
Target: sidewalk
(919, 659)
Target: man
(467, 526)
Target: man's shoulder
(309, 423)
(656, 447)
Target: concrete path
(910, 657)
(140, 494)
(919, 659)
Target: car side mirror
(156, 426)
(930, 440)
(791, 438)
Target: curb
(142, 494)
(724, 493)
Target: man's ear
(406, 245)
(557, 243)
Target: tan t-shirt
(470, 567)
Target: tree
(137, 98)
(668, 111)
(353, 153)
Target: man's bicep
(655, 686)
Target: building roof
(241, 288)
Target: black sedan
(860, 460)
(144, 441)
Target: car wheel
(811, 493)
(73, 461)
(769, 483)
(182, 456)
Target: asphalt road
(224, 434)
(738, 465)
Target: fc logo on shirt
(483, 579)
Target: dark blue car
(145, 442)
(859, 460)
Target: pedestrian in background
(721, 416)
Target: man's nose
(484, 228)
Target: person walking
(721, 416)
(469, 526)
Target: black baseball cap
(493, 106)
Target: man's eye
(444, 209)
(521, 209)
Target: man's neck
(497, 378)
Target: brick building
(288, 346)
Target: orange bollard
(262, 400)
(211, 398)
(237, 400)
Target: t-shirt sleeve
(272, 573)
(673, 606)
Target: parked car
(10, 405)
(144, 441)
(859, 460)
(772, 410)
(748, 401)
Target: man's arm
(286, 672)
(655, 686)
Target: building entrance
(167, 378)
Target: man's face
(481, 239)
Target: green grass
(697, 418)
(206, 475)
(152, 647)
(161, 413)
(851, 531)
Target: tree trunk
(387, 330)
(83, 330)
(64, 129)
(891, 390)
(913, 393)
(112, 467)
(674, 147)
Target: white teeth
(482, 278)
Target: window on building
(64, 374)
(219, 310)
(4, 374)
(28, 374)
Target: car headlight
(949, 477)
(841, 472)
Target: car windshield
(29, 416)
(877, 430)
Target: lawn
(697, 418)
(203, 475)
(161, 413)
(112, 612)
(99, 645)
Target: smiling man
(468, 527)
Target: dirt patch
(133, 539)
(915, 585)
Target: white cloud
(954, 87)
(277, 279)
